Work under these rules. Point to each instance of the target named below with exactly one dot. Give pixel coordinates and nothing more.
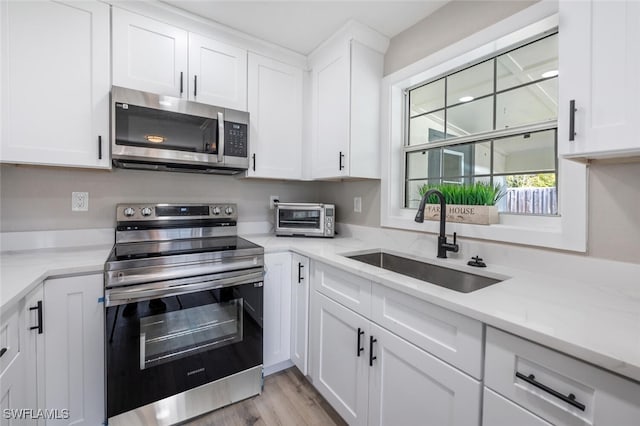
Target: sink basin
(463, 282)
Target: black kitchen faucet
(443, 245)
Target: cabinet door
(331, 113)
(299, 311)
(339, 369)
(74, 345)
(217, 73)
(277, 311)
(34, 353)
(275, 106)
(55, 94)
(599, 69)
(148, 55)
(411, 387)
(13, 386)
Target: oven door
(163, 346)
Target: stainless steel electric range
(183, 297)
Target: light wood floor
(287, 399)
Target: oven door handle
(119, 295)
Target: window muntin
(510, 103)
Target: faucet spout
(443, 245)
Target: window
(494, 121)
(565, 230)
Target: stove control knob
(146, 211)
(128, 212)
(215, 210)
(229, 210)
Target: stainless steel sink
(463, 282)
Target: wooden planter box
(479, 215)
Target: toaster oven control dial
(128, 212)
(215, 210)
(146, 211)
(229, 210)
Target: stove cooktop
(153, 249)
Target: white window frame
(567, 230)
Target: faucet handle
(455, 235)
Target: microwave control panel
(236, 139)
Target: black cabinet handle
(99, 147)
(358, 348)
(195, 86)
(300, 277)
(39, 308)
(2, 351)
(371, 357)
(181, 83)
(572, 119)
(253, 157)
(340, 157)
(569, 399)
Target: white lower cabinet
(371, 376)
(74, 348)
(498, 411)
(277, 312)
(340, 369)
(13, 386)
(408, 386)
(556, 387)
(300, 311)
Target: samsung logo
(199, 370)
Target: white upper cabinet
(345, 103)
(275, 108)
(155, 57)
(599, 69)
(217, 73)
(148, 55)
(55, 83)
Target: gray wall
(452, 22)
(38, 198)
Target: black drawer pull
(2, 351)
(39, 308)
(99, 147)
(340, 157)
(372, 340)
(569, 399)
(572, 120)
(300, 277)
(359, 349)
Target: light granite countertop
(597, 321)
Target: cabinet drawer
(500, 411)
(556, 387)
(345, 288)
(9, 339)
(451, 337)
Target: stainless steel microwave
(158, 132)
(305, 219)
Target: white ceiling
(302, 25)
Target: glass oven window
(173, 335)
(151, 128)
(308, 219)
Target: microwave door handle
(220, 137)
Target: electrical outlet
(272, 201)
(79, 201)
(357, 204)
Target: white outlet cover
(357, 204)
(79, 201)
